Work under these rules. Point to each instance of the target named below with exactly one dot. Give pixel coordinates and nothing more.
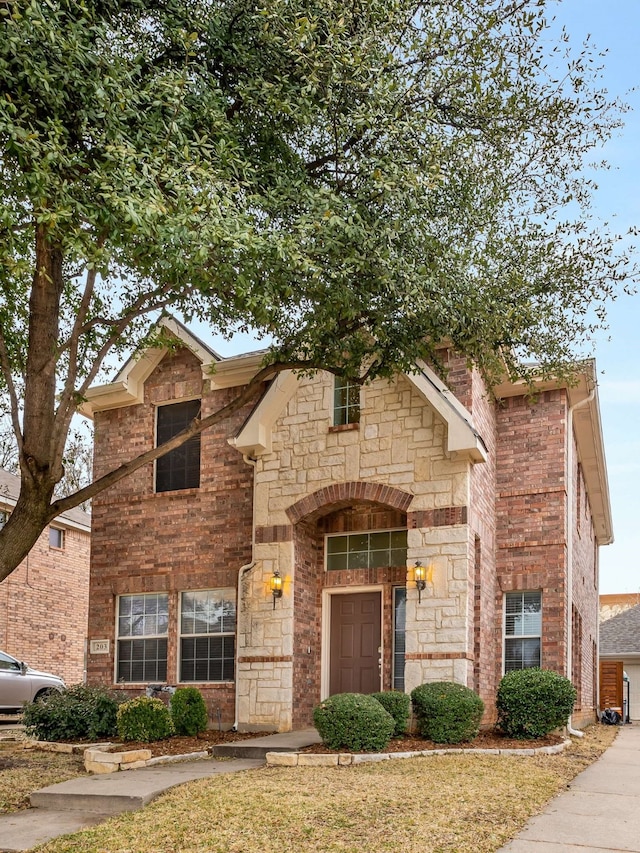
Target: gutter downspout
(242, 571)
(570, 520)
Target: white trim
(117, 636)
(179, 635)
(519, 636)
(325, 643)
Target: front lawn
(436, 804)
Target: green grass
(439, 804)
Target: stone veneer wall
(172, 541)
(398, 445)
(44, 604)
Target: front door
(355, 647)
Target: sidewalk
(600, 812)
(82, 802)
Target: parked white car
(19, 683)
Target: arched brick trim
(345, 493)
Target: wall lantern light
(275, 585)
(422, 575)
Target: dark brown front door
(355, 643)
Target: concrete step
(258, 747)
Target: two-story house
(44, 602)
(332, 538)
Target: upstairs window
(56, 538)
(180, 468)
(346, 402)
(523, 630)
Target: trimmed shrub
(354, 722)
(79, 713)
(533, 702)
(144, 719)
(398, 705)
(447, 712)
(188, 711)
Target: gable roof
(127, 388)
(254, 436)
(620, 635)
(10, 489)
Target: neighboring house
(44, 602)
(620, 657)
(611, 605)
(331, 538)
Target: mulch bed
(180, 745)
(485, 740)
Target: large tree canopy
(359, 181)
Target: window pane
(359, 560)
(180, 468)
(398, 558)
(399, 539)
(337, 562)
(336, 544)
(399, 622)
(379, 559)
(358, 542)
(379, 541)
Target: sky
(612, 26)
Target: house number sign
(99, 647)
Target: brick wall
(43, 607)
(584, 600)
(530, 514)
(171, 541)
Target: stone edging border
(98, 759)
(346, 759)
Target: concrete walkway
(600, 812)
(82, 802)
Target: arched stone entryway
(351, 511)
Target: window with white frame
(399, 634)
(374, 550)
(56, 537)
(346, 402)
(143, 622)
(207, 635)
(523, 630)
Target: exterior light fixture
(275, 585)
(422, 575)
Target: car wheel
(43, 695)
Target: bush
(398, 705)
(447, 712)
(79, 713)
(188, 711)
(144, 719)
(354, 722)
(533, 702)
